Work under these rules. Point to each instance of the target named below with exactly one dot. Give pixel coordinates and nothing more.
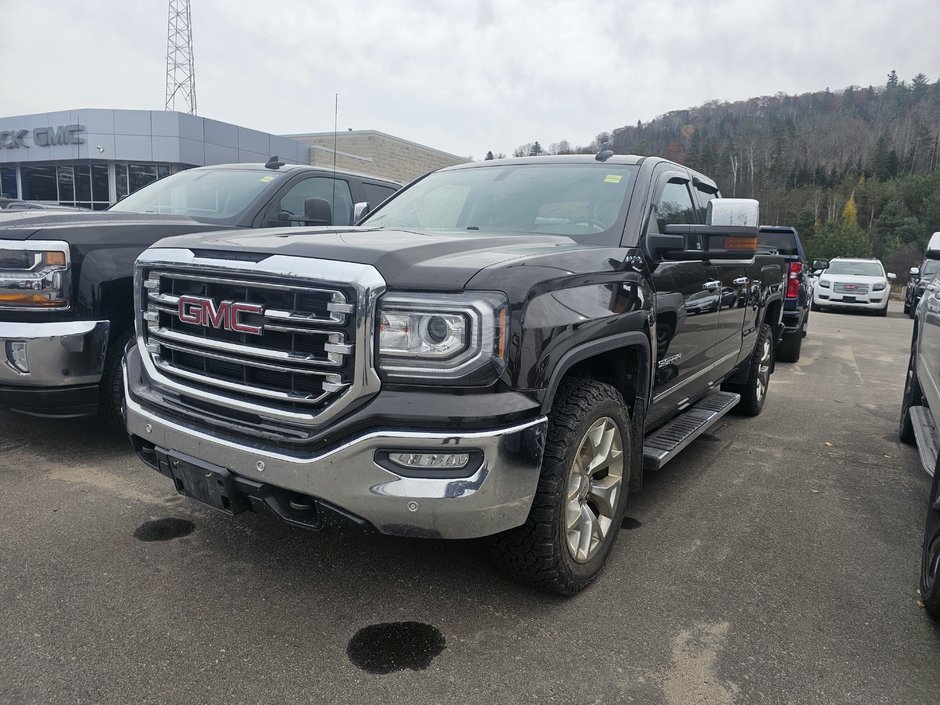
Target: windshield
(784, 243)
(865, 269)
(582, 200)
(213, 195)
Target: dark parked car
(66, 295)
(917, 283)
(501, 350)
(786, 241)
(919, 424)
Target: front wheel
(582, 493)
(883, 312)
(111, 397)
(930, 560)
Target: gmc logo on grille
(204, 312)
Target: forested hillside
(856, 170)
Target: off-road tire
(111, 389)
(789, 348)
(754, 391)
(536, 552)
(912, 397)
(930, 558)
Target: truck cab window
(319, 187)
(675, 207)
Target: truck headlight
(34, 274)
(824, 283)
(432, 338)
(878, 286)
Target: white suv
(853, 283)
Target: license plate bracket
(850, 299)
(209, 484)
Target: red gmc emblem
(850, 286)
(204, 312)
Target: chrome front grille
(846, 288)
(301, 350)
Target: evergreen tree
(489, 157)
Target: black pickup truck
(500, 350)
(66, 295)
(798, 296)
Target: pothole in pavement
(395, 646)
(164, 529)
(629, 523)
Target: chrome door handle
(740, 281)
(711, 286)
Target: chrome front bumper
(495, 498)
(52, 354)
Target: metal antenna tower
(180, 72)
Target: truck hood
(405, 259)
(77, 226)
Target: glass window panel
(39, 183)
(82, 182)
(675, 206)
(340, 197)
(8, 181)
(99, 183)
(139, 175)
(66, 184)
(120, 180)
(163, 170)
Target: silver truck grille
(845, 288)
(289, 355)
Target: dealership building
(92, 158)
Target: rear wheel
(930, 559)
(789, 350)
(754, 391)
(912, 397)
(578, 508)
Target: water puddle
(395, 646)
(164, 529)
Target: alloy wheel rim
(595, 480)
(931, 562)
(763, 371)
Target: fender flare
(633, 339)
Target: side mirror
(735, 212)
(915, 272)
(360, 211)
(892, 276)
(318, 211)
(712, 242)
(817, 272)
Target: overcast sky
(464, 76)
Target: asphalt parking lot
(775, 561)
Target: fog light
(16, 356)
(430, 461)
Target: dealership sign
(42, 137)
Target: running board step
(663, 445)
(925, 431)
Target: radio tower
(180, 73)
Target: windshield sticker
(265, 179)
(612, 178)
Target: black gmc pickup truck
(66, 278)
(500, 350)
